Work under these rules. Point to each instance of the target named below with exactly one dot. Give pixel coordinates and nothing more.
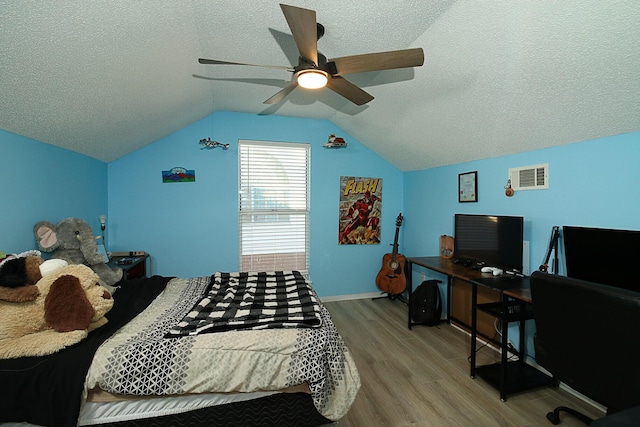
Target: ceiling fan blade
(379, 61)
(348, 90)
(281, 95)
(217, 62)
(302, 23)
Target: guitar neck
(395, 245)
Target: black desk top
(446, 266)
(504, 282)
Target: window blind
(273, 206)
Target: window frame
(266, 196)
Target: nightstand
(133, 267)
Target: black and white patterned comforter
(139, 360)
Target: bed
(227, 350)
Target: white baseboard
(366, 295)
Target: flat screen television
(495, 240)
(603, 255)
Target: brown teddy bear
(70, 304)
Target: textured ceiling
(104, 78)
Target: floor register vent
(534, 177)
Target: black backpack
(426, 304)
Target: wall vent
(534, 177)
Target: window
(274, 206)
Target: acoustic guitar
(391, 278)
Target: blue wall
(191, 229)
(43, 182)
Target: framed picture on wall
(360, 211)
(468, 187)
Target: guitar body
(391, 278)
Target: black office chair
(588, 337)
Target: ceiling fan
(314, 71)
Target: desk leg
(409, 275)
(474, 324)
(504, 344)
(522, 352)
(449, 284)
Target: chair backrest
(588, 337)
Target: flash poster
(360, 211)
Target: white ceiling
(104, 78)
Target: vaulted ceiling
(104, 78)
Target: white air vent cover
(534, 177)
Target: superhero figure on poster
(364, 218)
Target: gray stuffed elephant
(72, 240)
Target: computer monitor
(603, 255)
(495, 240)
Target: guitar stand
(393, 297)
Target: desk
(514, 306)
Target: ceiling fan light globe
(312, 79)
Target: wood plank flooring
(420, 377)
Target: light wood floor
(421, 377)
